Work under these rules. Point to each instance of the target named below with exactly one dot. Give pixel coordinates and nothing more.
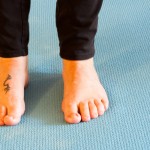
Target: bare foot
(13, 80)
(84, 96)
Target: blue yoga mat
(122, 60)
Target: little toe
(71, 113)
(105, 103)
(2, 114)
(100, 107)
(93, 110)
(84, 111)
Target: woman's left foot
(84, 96)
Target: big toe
(2, 114)
(71, 113)
(11, 120)
(13, 117)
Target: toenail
(77, 115)
(94, 116)
(87, 117)
(101, 113)
(73, 114)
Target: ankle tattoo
(7, 87)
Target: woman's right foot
(13, 80)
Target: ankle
(77, 64)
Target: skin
(84, 96)
(13, 80)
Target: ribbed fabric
(122, 60)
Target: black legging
(76, 22)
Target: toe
(105, 102)
(84, 111)
(100, 107)
(93, 110)
(11, 120)
(13, 117)
(2, 114)
(71, 113)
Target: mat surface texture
(122, 60)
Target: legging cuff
(77, 55)
(11, 54)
